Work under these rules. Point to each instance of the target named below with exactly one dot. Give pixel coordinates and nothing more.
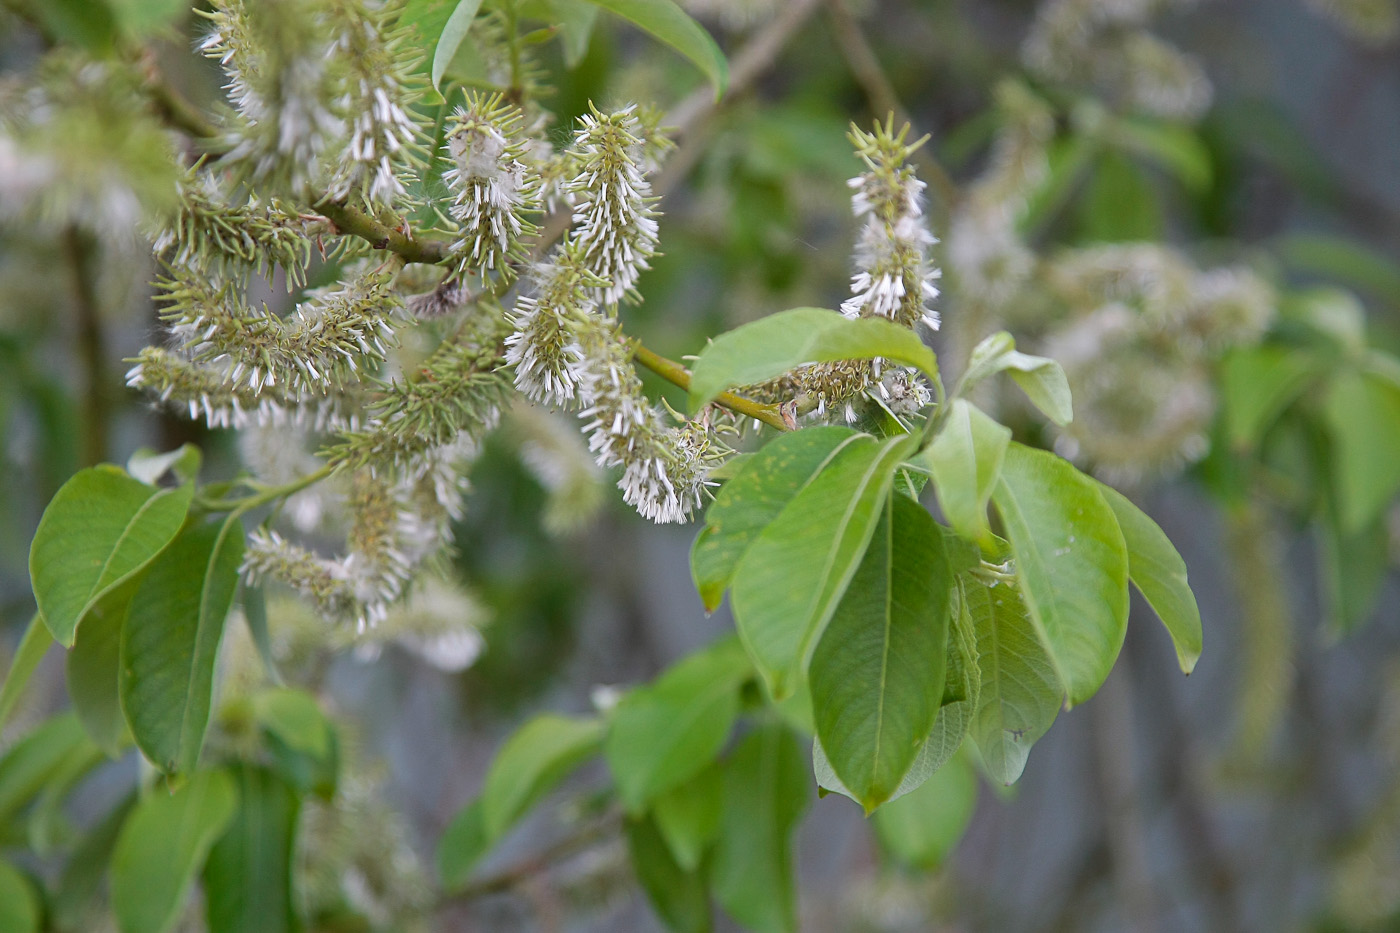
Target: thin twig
(525, 870)
(678, 375)
(80, 248)
(867, 71)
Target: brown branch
(80, 249)
(398, 240)
(867, 71)
(526, 870)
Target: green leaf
(171, 641)
(662, 734)
(1120, 205)
(963, 681)
(775, 344)
(100, 530)
(678, 895)
(1343, 260)
(1159, 573)
(19, 903)
(1174, 147)
(688, 815)
(73, 903)
(1257, 385)
(669, 24)
(32, 648)
(139, 18)
(793, 576)
(965, 460)
(296, 719)
(877, 673)
(1071, 562)
(88, 24)
(453, 32)
(162, 846)
(462, 846)
(32, 761)
(1019, 696)
(573, 18)
(93, 669)
(1354, 567)
(922, 827)
(255, 614)
(531, 762)
(248, 875)
(1363, 415)
(1041, 378)
(765, 792)
(753, 499)
(149, 466)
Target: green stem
(678, 375)
(402, 242)
(246, 503)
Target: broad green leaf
(573, 18)
(755, 497)
(453, 32)
(248, 875)
(296, 719)
(1159, 573)
(663, 733)
(19, 903)
(1041, 378)
(254, 604)
(171, 641)
(1257, 385)
(161, 848)
(1119, 205)
(93, 669)
(965, 460)
(775, 344)
(922, 827)
(1174, 147)
(29, 764)
(48, 827)
(678, 895)
(88, 24)
(765, 792)
(531, 762)
(32, 648)
(877, 673)
(792, 577)
(1354, 567)
(1363, 415)
(1019, 696)
(950, 726)
(462, 846)
(1333, 313)
(668, 23)
(688, 815)
(1344, 260)
(100, 530)
(149, 466)
(1071, 562)
(73, 903)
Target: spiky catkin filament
(226, 240)
(615, 225)
(893, 276)
(324, 344)
(456, 392)
(664, 468)
(493, 189)
(564, 293)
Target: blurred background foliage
(1195, 207)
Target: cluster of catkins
(322, 111)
